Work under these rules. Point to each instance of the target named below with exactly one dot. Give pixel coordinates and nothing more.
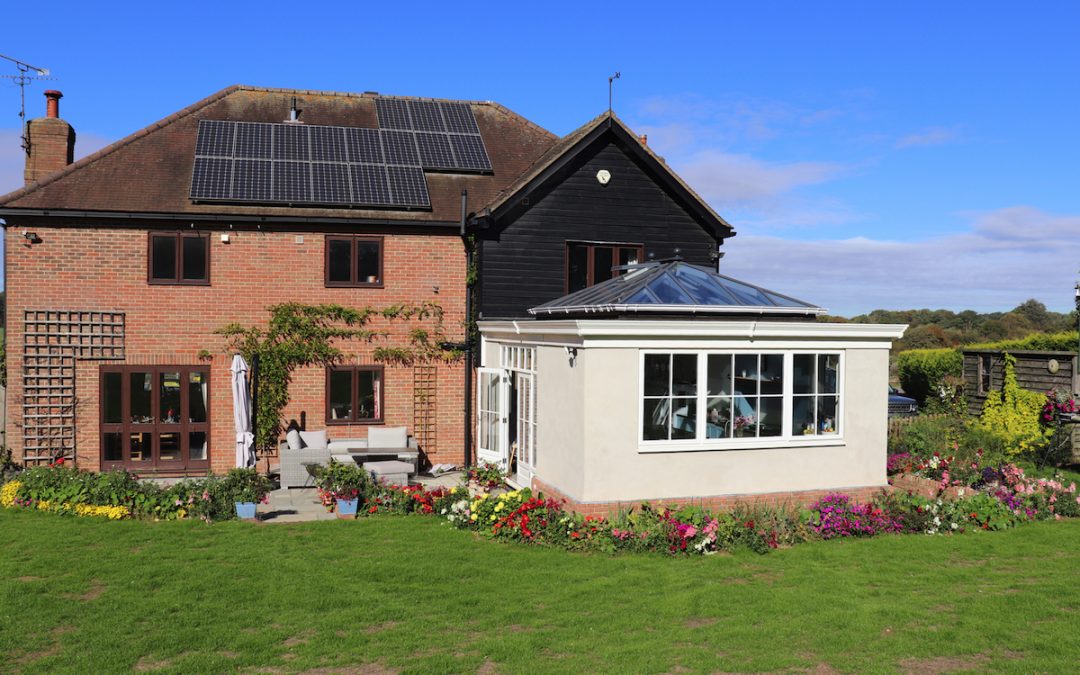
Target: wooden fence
(898, 424)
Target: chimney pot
(644, 139)
(52, 103)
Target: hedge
(923, 371)
(1039, 342)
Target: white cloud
(737, 179)
(933, 136)
(1007, 256)
(13, 159)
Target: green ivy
(299, 335)
(1013, 414)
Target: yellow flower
(492, 518)
(499, 506)
(472, 517)
(8, 494)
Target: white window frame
(788, 437)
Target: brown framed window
(354, 261)
(589, 263)
(354, 395)
(155, 417)
(178, 258)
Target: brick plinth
(712, 503)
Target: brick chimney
(52, 141)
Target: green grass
(412, 594)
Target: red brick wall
(106, 269)
(713, 503)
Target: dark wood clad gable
(522, 257)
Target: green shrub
(1014, 415)
(925, 374)
(1048, 342)
(948, 435)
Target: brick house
(120, 267)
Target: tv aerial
(27, 74)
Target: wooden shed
(1040, 371)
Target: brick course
(105, 268)
(713, 503)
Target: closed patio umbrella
(245, 440)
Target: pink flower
(179, 503)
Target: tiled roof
(674, 287)
(150, 170)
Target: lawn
(411, 594)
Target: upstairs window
(588, 263)
(354, 261)
(179, 258)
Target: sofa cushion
(387, 437)
(293, 439)
(347, 444)
(313, 439)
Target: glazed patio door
(492, 429)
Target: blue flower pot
(245, 510)
(346, 508)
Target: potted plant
(247, 487)
(341, 486)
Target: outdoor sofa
(315, 448)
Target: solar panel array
(309, 164)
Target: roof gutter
(675, 309)
(217, 217)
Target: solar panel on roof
(363, 146)
(399, 147)
(370, 184)
(290, 141)
(330, 183)
(327, 144)
(291, 182)
(212, 178)
(393, 113)
(253, 140)
(407, 186)
(251, 180)
(469, 152)
(215, 139)
(459, 117)
(434, 151)
(426, 116)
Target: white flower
(937, 521)
(954, 526)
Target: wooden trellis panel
(425, 386)
(53, 340)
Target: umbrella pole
(254, 384)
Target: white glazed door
(492, 430)
(526, 427)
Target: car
(900, 405)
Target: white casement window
(715, 400)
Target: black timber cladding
(523, 260)
(1032, 373)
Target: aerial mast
(22, 79)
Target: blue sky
(916, 155)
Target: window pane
(718, 417)
(341, 403)
(169, 401)
(684, 418)
(196, 445)
(367, 262)
(111, 403)
(112, 449)
(684, 374)
(654, 419)
(603, 261)
(142, 447)
(163, 257)
(827, 422)
(140, 394)
(770, 416)
(170, 447)
(197, 397)
(367, 404)
(628, 256)
(772, 374)
(195, 249)
(719, 374)
(577, 272)
(746, 374)
(744, 423)
(803, 365)
(828, 364)
(339, 260)
(657, 374)
(802, 415)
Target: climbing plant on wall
(1014, 413)
(299, 335)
